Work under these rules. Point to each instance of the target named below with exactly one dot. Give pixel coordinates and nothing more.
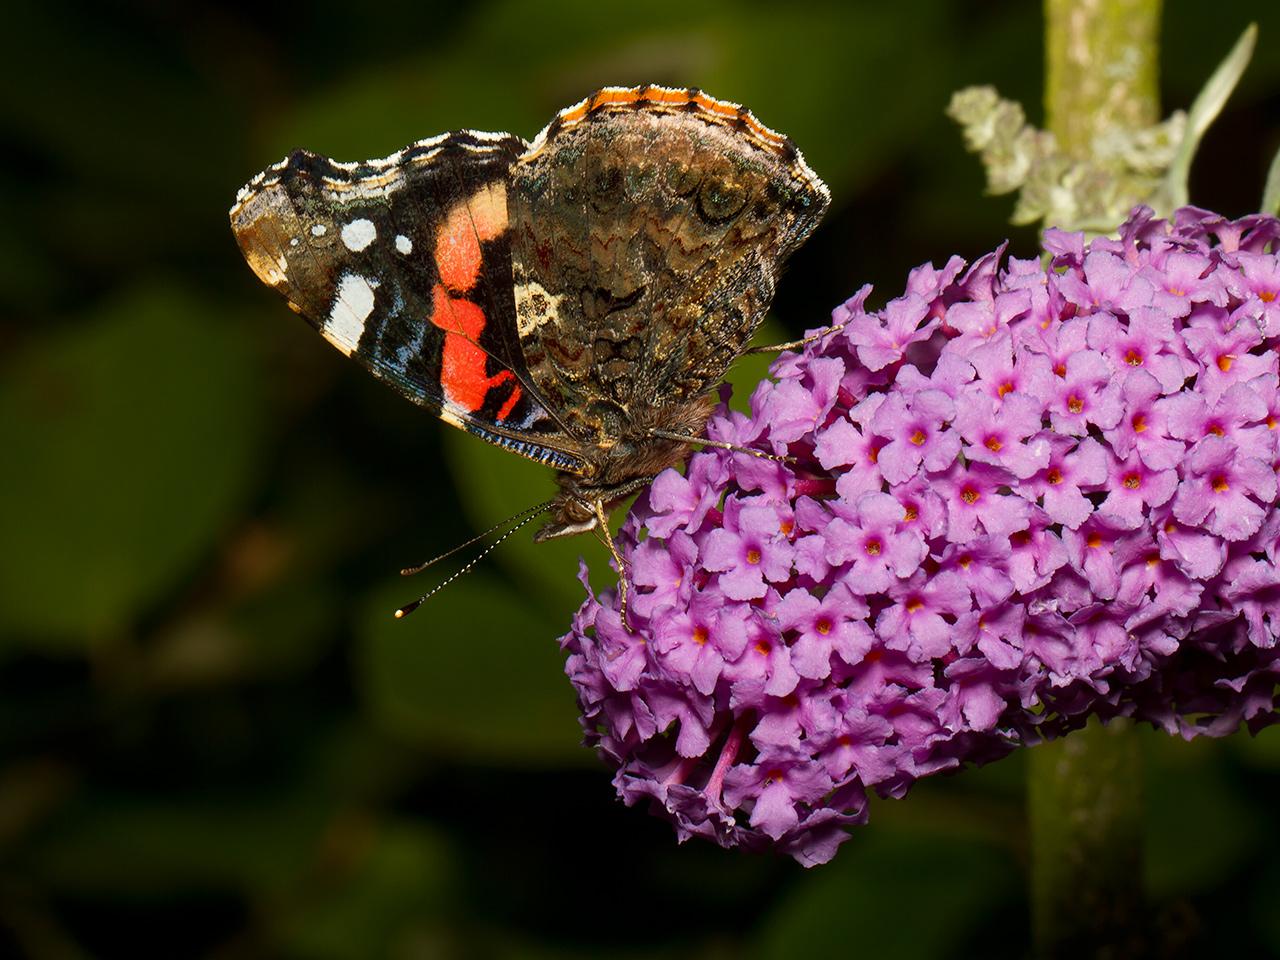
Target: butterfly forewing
(405, 265)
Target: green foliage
(952, 881)
(479, 679)
(1204, 110)
(130, 439)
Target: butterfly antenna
(408, 608)
(528, 513)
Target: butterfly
(575, 300)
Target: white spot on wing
(319, 230)
(358, 234)
(404, 244)
(534, 306)
(351, 308)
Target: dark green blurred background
(214, 740)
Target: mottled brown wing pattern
(648, 226)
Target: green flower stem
(1085, 791)
(1085, 811)
(1101, 69)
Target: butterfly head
(581, 503)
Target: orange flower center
(753, 556)
(1220, 484)
(918, 438)
(1094, 540)
(1060, 369)
(969, 495)
(823, 626)
(872, 547)
(1006, 387)
(1266, 296)
(914, 604)
(1133, 358)
(910, 513)
(1225, 361)
(1132, 481)
(1139, 424)
(1075, 404)
(1021, 538)
(700, 635)
(993, 444)
(1054, 476)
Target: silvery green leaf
(1208, 104)
(1271, 193)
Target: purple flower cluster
(1022, 494)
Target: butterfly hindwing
(405, 265)
(648, 228)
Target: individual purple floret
(1019, 496)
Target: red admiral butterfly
(574, 299)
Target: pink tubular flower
(1144, 426)
(1073, 467)
(1261, 278)
(1016, 497)
(749, 549)
(883, 338)
(1001, 435)
(1222, 491)
(874, 544)
(914, 427)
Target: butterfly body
(569, 299)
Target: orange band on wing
(481, 217)
(666, 99)
(463, 363)
(458, 251)
(511, 401)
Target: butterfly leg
(795, 344)
(617, 559)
